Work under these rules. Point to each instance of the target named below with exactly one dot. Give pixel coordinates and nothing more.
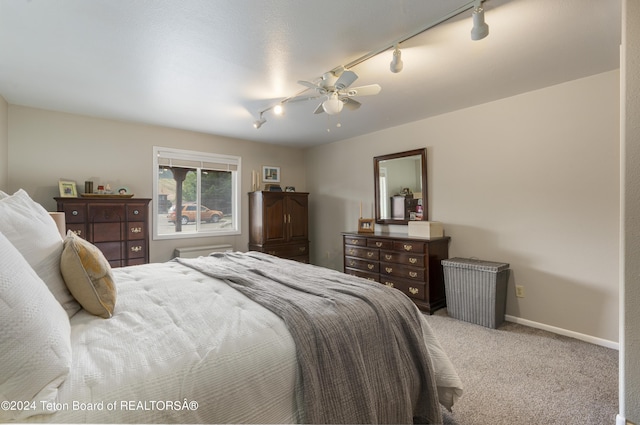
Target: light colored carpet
(520, 375)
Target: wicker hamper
(476, 290)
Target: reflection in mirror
(401, 187)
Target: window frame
(195, 157)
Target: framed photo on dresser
(67, 189)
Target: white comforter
(184, 347)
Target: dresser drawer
(80, 229)
(380, 243)
(409, 246)
(401, 270)
(361, 273)
(136, 249)
(136, 212)
(136, 230)
(366, 253)
(416, 290)
(416, 260)
(106, 213)
(74, 213)
(360, 264)
(355, 241)
(285, 251)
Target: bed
(230, 338)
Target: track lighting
(480, 29)
(396, 64)
(258, 123)
(332, 105)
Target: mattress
(188, 348)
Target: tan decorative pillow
(87, 274)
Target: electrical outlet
(520, 291)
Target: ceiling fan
(335, 87)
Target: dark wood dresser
(279, 224)
(119, 227)
(410, 264)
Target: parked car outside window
(189, 214)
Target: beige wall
(4, 143)
(45, 146)
(630, 228)
(531, 180)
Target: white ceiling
(212, 65)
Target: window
(195, 194)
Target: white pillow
(30, 228)
(35, 337)
(3, 195)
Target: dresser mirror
(400, 181)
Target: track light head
(396, 64)
(278, 109)
(480, 29)
(258, 123)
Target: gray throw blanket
(359, 344)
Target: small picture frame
(270, 174)
(67, 189)
(365, 225)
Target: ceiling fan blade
(345, 80)
(304, 97)
(362, 90)
(319, 109)
(351, 104)
(307, 84)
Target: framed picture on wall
(270, 174)
(67, 189)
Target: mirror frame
(376, 176)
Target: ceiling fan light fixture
(396, 64)
(332, 105)
(480, 29)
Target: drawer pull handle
(302, 248)
(389, 269)
(413, 290)
(352, 263)
(271, 252)
(413, 274)
(378, 244)
(78, 232)
(353, 242)
(136, 212)
(351, 251)
(137, 248)
(370, 254)
(413, 260)
(407, 247)
(370, 266)
(371, 279)
(389, 284)
(74, 212)
(388, 256)
(136, 230)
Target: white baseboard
(565, 332)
